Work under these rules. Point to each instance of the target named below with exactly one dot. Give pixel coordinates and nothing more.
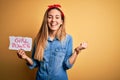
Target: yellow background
(96, 22)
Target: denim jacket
(55, 61)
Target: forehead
(54, 12)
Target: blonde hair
(42, 36)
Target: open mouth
(53, 24)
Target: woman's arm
(22, 55)
(82, 46)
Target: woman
(52, 51)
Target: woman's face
(54, 19)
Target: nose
(53, 19)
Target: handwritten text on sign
(17, 43)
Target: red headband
(56, 6)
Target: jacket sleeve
(69, 46)
(35, 62)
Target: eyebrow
(55, 15)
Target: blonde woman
(52, 51)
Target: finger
(18, 55)
(84, 45)
(20, 52)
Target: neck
(52, 34)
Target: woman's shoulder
(67, 39)
(68, 36)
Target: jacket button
(57, 50)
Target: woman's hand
(21, 54)
(82, 46)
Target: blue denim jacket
(55, 61)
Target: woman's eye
(57, 17)
(49, 17)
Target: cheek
(48, 20)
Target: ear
(61, 22)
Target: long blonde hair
(42, 36)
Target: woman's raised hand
(21, 54)
(82, 46)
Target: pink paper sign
(17, 43)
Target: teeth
(53, 24)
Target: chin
(54, 29)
